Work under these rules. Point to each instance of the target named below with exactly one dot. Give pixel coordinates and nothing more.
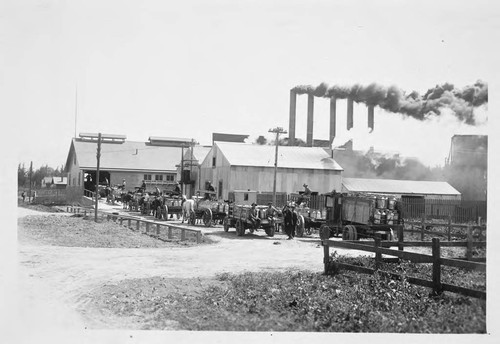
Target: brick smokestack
(371, 112)
(333, 118)
(293, 114)
(350, 120)
(310, 119)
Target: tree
(261, 140)
(22, 175)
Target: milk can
(391, 203)
(383, 217)
(390, 217)
(381, 202)
(377, 216)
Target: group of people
(290, 217)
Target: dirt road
(54, 280)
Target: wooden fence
(459, 211)
(380, 247)
(152, 228)
(426, 227)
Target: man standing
(290, 220)
(124, 184)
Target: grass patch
(297, 301)
(80, 231)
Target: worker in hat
(253, 217)
(270, 211)
(290, 220)
(209, 188)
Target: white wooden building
(239, 166)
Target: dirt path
(54, 280)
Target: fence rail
(435, 259)
(459, 211)
(152, 228)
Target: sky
(190, 68)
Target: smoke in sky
(461, 101)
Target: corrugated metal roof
(398, 186)
(129, 155)
(243, 154)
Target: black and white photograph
(246, 170)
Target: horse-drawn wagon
(207, 209)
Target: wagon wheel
(299, 228)
(192, 218)
(207, 217)
(226, 224)
(164, 213)
(240, 230)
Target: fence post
(400, 237)
(121, 221)
(169, 232)
(137, 225)
(378, 255)
(158, 230)
(469, 243)
(423, 228)
(147, 227)
(198, 237)
(128, 223)
(436, 266)
(183, 234)
(449, 227)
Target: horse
(187, 208)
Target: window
(79, 177)
(158, 177)
(69, 179)
(214, 159)
(170, 177)
(147, 177)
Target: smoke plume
(461, 101)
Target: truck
(239, 211)
(358, 216)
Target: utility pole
(97, 175)
(31, 171)
(182, 169)
(277, 131)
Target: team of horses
(153, 204)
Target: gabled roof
(243, 154)
(129, 155)
(199, 153)
(398, 186)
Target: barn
(153, 161)
(240, 166)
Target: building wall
(74, 188)
(425, 196)
(134, 179)
(261, 178)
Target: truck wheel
(324, 232)
(353, 233)
(345, 233)
(240, 230)
(226, 224)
